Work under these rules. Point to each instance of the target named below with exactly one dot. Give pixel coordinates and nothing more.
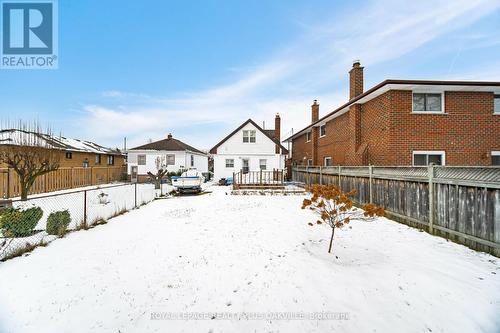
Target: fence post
(8, 183)
(340, 184)
(308, 182)
(430, 171)
(135, 194)
(85, 208)
(320, 175)
(370, 170)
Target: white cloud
(293, 77)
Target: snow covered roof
(168, 144)
(28, 138)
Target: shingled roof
(168, 144)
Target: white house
(176, 154)
(249, 148)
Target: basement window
(308, 136)
(496, 104)
(432, 103)
(424, 158)
(309, 162)
(328, 161)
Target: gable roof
(268, 133)
(391, 84)
(19, 137)
(168, 144)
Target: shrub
(20, 223)
(57, 223)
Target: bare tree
(161, 171)
(29, 153)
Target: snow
(234, 254)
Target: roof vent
(169, 136)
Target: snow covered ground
(222, 255)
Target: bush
(20, 223)
(57, 223)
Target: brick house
(405, 122)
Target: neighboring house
(74, 152)
(405, 122)
(177, 156)
(249, 148)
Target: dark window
(424, 159)
(141, 160)
(111, 159)
(427, 103)
(170, 159)
(328, 161)
(322, 130)
(97, 159)
(69, 155)
(308, 136)
(249, 136)
(495, 159)
(192, 160)
(86, 163)
(229, 163)
(496, 106)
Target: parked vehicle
(189, 182)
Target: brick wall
(301, 149)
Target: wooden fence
(459, 203)
(61, 179)
(263, 179)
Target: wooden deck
(259, 180)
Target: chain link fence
(25, 225)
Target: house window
(170, 159)
(322, 131)
(263, 164)
(496, 104)
(98, 159)
(111, 159)
(141, 159)
(245, 165)
(192, 160)
(308, 136)
(427, 102)
(424, 158)
(85, 163)
(309, 162)
(249, 136)
(69, 155)
(328, 161)
(229, 163)
(495, 158)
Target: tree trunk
(24, 191)
(331, 240)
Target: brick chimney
(277, 131)
(314, 111)
(355, 80)
(169, 136)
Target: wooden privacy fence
(61, 179)
(262, 179)
(459, 203)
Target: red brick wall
(336, 142)
(301, 149)
(467, 132)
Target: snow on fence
(85, 207)
(61, 179)
(459, 203)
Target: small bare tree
(161, 171)
(29, 154)
(335, 207)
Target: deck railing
(259, 179)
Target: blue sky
(197, 69)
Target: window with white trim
(424, 158)
(327, 161)
(322, 130)
(424, 102)
(263, 164)
(496, 104)
(170, 159)
(141, 159)
(495, 158)
(97, 159)
(229, 163)
(249, 136)
(309, 162)
(308, 136)
(192, 160)
(111, 159)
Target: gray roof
(168, 144)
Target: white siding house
(177, 154)
(249, 148)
